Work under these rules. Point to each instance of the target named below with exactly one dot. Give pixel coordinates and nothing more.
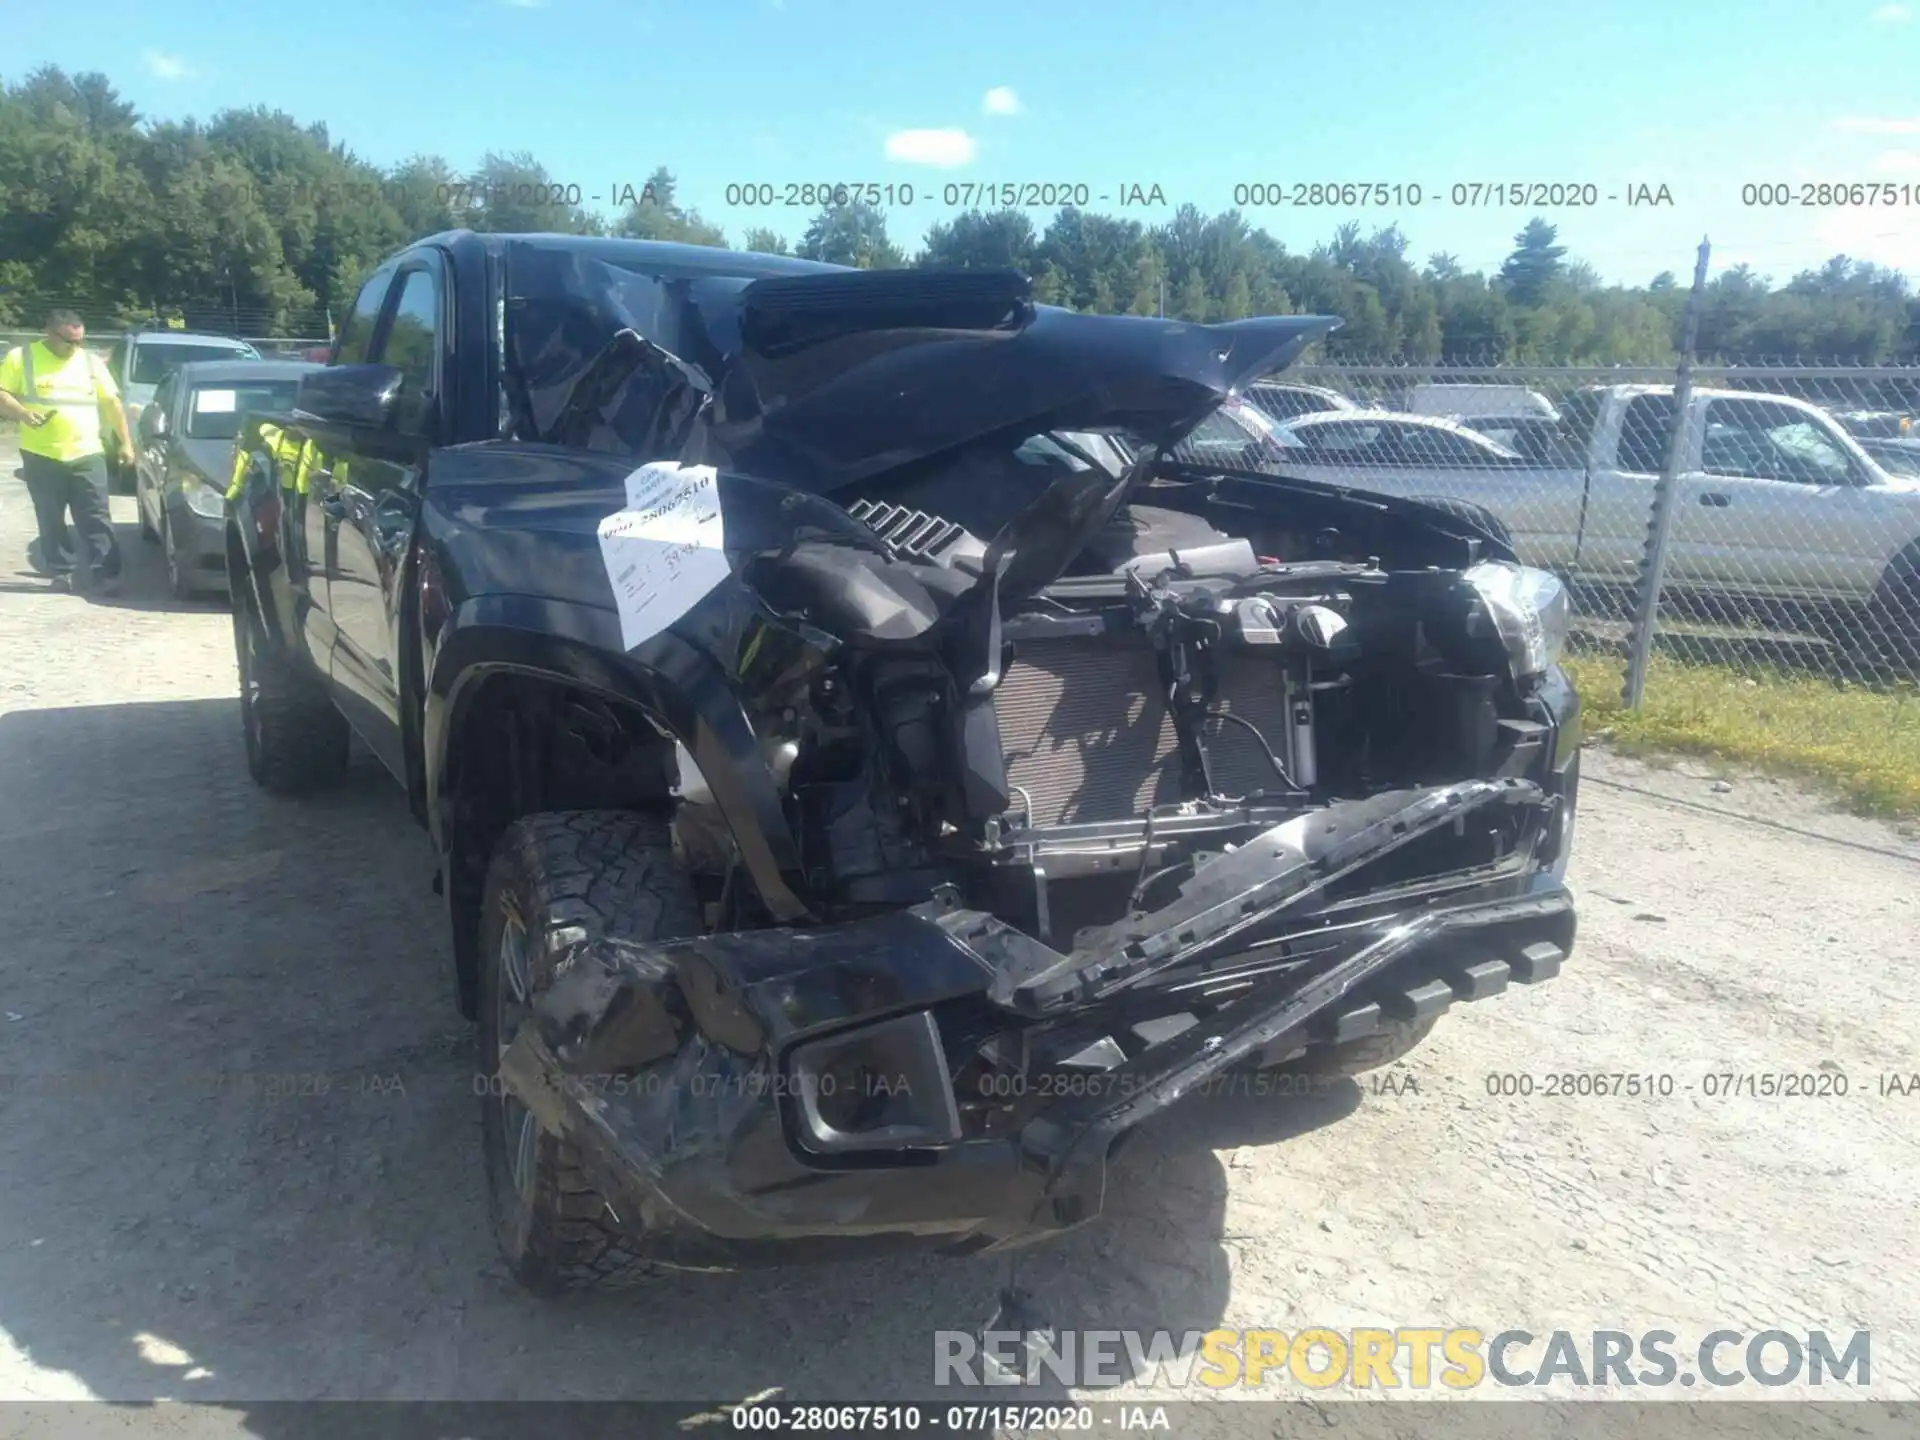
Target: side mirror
(363, 396)
(153, 423)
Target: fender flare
(682, 692)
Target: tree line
(253, 221)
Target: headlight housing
(1529, 610)
(202, 499)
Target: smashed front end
(1063, 778)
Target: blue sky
(1700, 98)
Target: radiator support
(1089, 736)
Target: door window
(357, 334)
(412, 346)
(1764, 441)
(1284, 403)
(1357, 442)
(1430, 445)
(161, 404)
(1646, 429)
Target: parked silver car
(185, 437)
(141, 359)
(1776, 504)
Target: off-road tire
(1481, 517)
(1369, 1052)
(612, 874)
(296, 741)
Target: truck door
(372, 503)
(308, 533)
(1627, 449)
(1778, 506)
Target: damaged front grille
(1088, 736)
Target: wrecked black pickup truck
(870, 771)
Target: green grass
(1860, 743)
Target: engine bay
(1217, 658)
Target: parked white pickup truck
(1775, 504)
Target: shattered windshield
(566, 308)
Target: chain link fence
(1791, 540)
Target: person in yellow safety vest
(289, 458)
(294, 479)
(295, 463)
(61, 393)
(237, 481)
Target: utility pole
(1660, 524)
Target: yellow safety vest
(287, 457)
(303, 465)
(237, 480)
(71, 388)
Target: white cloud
(165, 66)
(1878, 125)
(1869, 234)
(1897, 162)
(1000, 100)
(1892, 15)
(944, 148)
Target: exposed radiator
(1088, 738)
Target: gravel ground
(167, 1233)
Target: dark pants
(80, 487)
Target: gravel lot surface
(170, 1228)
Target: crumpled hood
(850, 407)
(826, 378)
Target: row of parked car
(1779, 500)
(1780, 504)
(186, 394)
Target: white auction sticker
(215, 402)
(667, 549)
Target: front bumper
(200, 542)
(681, 1072)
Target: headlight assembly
(1529, 610)
(203, 499)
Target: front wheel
(1887, 634)
(593, 873)
(147, 532)
(179, 579)
(296, 741)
